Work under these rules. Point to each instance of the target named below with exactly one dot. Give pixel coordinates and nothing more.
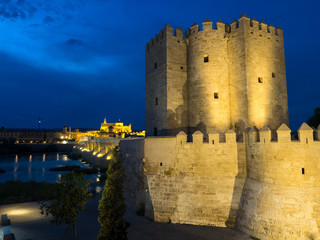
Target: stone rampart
(281, 196)
(194, 182)
(267, 187)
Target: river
(35, 167)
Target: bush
(112, 206)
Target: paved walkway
(28, 224)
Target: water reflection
(15, 169)
(35, 167)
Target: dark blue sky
(73, 62)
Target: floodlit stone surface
(218, 77)
(267, 189)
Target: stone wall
(208, 78)
(267, 188)
(97, 150)
(156, 85)
(193, 182)
(216, 78)
(281, 196)
(166, 104)
(132, 154)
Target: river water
(35, 167)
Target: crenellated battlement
(166, 32)
(220, 26)
(207, 25)
(262, 174)
(223, 154)
(306, 135)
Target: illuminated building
(115, 128)
(216, 78)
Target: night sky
(74, 62)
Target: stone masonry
(267, 188)
(230, 77)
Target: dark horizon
(75, 62)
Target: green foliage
(112, 206)
(71, 198)
(314, 121)
(17, 191)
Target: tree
(111, 205)
(314, 121)
(71, 198)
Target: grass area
(17, 191)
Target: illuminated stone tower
(229, 77)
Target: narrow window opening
(206, 58)
(181, 68)
(306, 140)
(155, 65)
(156, 101)
(155, 132)
(251, 32)
(260, 80)
(302, 171)
(161, 164)
(260, 27)
(212, 141)
(260, 35)
(216, 95)
(274, 75)
(264, 140)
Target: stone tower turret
(166, 83)
(230, 77)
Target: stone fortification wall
(268, 188)
(208, 78)
(237, 76)
(265, 73)
(227, 77)
(156, 84)
(132, 155)
(166, 103)
(193, 182)
(281, 196)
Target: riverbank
(6, 149)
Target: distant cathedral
(230, 77)
(115, 128)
